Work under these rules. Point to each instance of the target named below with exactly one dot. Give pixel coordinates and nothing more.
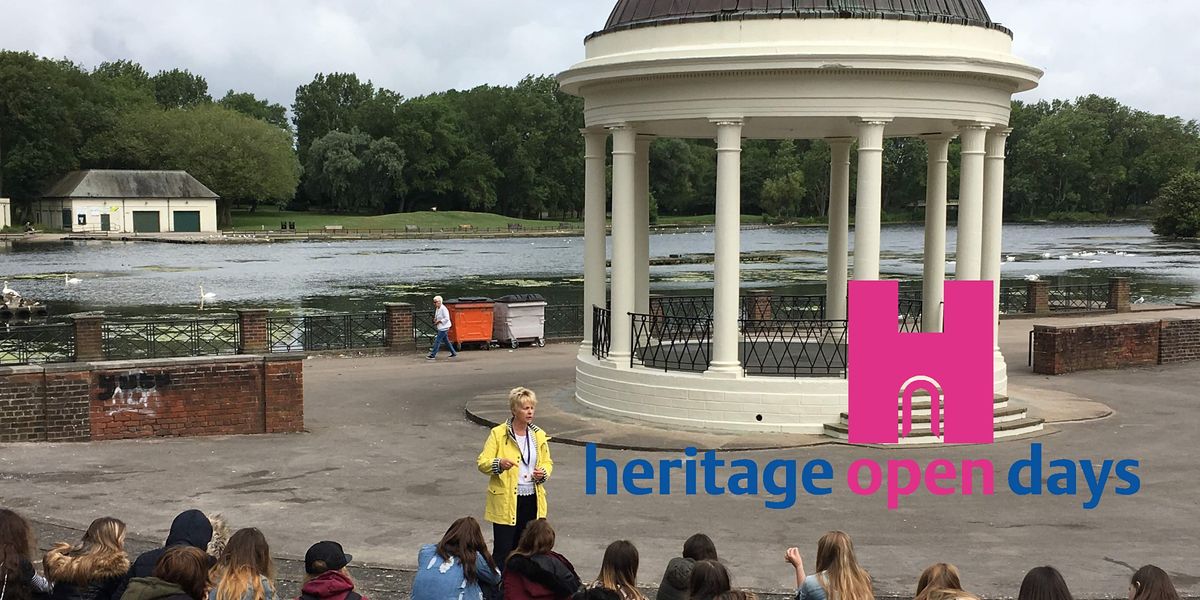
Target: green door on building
(145, 221)
(105, 222)
(187, 220)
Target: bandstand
(850, 72)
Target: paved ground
(389, 462)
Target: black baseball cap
(330, 553)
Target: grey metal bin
(520, 318)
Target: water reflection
(164, 279)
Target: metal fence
(564, 321)
(423, 328)
(37, 344)
(327, 332)
(164, 339)
(1089, 296)
(601, 331)
(1014, 300)
(798, 307)
(686, 307)
(909, 320)
(671, 343)
(794, 348)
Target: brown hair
(186, 567)
(1153, 583)
(1044, 583)
(736, 595)
(538, 538)
(16, 548)
(244, 561)
(709, 580)
(940, 582)
(838, 571)
(463, 540)
(699, 547)
(618, 570)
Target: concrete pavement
(388, 463)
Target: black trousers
(506, 537)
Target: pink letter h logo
(886, 365)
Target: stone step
(1006, 429)
(921, 405)
(999, 415)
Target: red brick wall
(1179, 341)
(131, 399)
(1065, 349)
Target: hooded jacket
(547, 576)
(153, 588)
(502, 488)
(84, 577)
(330, 585)
(675, 579)
(190, 527)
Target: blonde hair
(437, 298)
(246, 558)
(940, 581)
(519, 396)
(838, 570)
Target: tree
(247, 104)
(783, 192)
(179, 88)
(350, 172)
(328, 103)
(1177, 208)
(241, 159)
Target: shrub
(1177, 208)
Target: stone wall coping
(21, 370)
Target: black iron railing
(687, 307)
(794, 348)
(1089, 296)
(423, 327)
(37, 344)
(601, 331)
(164, 339)
(671, 343)
(909, 320)
(797, 307)
(1014, 300)
(563, 321)
(327, 332)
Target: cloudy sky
(1144, 52)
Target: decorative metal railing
(601, 331)
(563, 321)
(671, 343)
(794, 348)
(1014, 300)
(423, 327)
(687, 307)
(1089, 296)
(909, 320)
(308, 333)
(797, 307)
(36, 344)
(164, 339)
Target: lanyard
(526, 453)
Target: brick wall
(1179, 341)
(168, 397)
(1065, 349)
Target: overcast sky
(1143, 52)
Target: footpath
(389, 461)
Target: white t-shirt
(441, 316)
(527, 445)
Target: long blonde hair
(940, 581)
(838, 571)
(618, 570)
(245, 560)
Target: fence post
(252, 330)
(758, 305)
(89, 336)
(399, 325)
(1038, 302)
(1118, 294)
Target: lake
(154, 279)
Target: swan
(8, 291)
(1140, 300)
(205, 297)
(68, 280)
(1010, 258)
(1045, 255)
(1033, 277)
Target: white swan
(8, 291)
(68, 280)
(1010, 258)
(1045, 255)
(205, 297)
(1033, 277)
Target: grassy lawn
(450, 219)
(702, 219)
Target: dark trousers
(506, 537)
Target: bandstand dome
(850, 72)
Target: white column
(870, 198)
(641, 209)
(837, 258)
(624, 226)
(993, 218)
(935, 231)
(969, 252)
(595, 272)
(727, 261)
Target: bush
(1177, 208)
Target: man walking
(441, 320)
